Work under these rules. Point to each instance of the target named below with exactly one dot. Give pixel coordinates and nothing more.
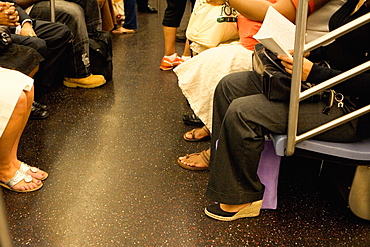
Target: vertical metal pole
(5, 239)
(52, 10)
(301, 21)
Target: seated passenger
(49, 39)
(109, 21)
(242, 116)
(26, 36)
(198, 77)
(16, 98)
(82, 18)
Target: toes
(38, 175)
(187, 163)
(23, 186)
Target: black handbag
(5, 38)
(275, 80)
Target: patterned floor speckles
(114, 181)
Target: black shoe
(40, 106)
(215, 212)
(192, 120)
(38, 113)
(147, 9)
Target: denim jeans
(130, 14)
(73, 16)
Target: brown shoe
(91, 81)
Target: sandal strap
(206, 130)
(25, 168)
(18, 177)
(205, 156)
(192, 132)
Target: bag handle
(279, 66)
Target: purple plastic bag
(268, 172)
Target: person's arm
(314, 73)
(26, 3)
(255, 10)
(25, 28)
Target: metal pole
(5, 239)
(52, 10)
(300, 33)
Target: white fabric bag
(210, 25)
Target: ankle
(171, 57)
(185, 58)
(233, 208)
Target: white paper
(277, 33)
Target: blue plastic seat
(357, 154)
(354, 151)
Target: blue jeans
(130, 14)
(73, 16)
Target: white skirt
(12, 83)
(199, 76)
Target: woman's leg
(240, 123)
(10, 139)
(169, 40)
(14, 152)
(245, 86)
(171, 21)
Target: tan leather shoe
(91, 81)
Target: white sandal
(25, 168)
(18, 177)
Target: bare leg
(187, 49)
(14, 152)
(10, 138)
(34, 71)
(169, 40)
(233, 208)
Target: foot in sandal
(122, 30)
(31, 170)
(197, 135)
(18, 181)
(195, 161)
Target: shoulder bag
(275, 80)
(210, 25)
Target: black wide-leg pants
(242, 116)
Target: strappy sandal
(25, 168)
(193, 139)
(18, 177)
(204, 155)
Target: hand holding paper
(277, 33)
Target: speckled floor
(114, 181)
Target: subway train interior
(111, 154)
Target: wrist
(29, 21)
